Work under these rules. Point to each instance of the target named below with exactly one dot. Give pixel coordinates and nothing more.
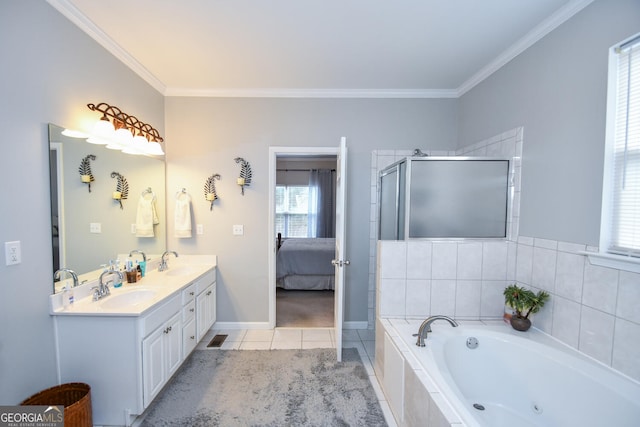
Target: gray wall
(557, 91)
(206, 134)
(50, 71)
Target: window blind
(625, 204)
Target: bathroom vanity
(127, 345)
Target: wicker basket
(76, 399)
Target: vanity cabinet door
(189, 337)
(161, 357)
(206, 310)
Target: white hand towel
(183, 216)
(146, 215)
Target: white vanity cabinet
(161, 356)
(206, 309)
(128, 357)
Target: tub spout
(426, 327)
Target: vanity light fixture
(121, 131)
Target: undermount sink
(180, 271)
(128, 299)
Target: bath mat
(268, 388)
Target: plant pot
(520, 323)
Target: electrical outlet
(95, 227)
(12, 252)
(199, 229)
(238, 230)
(133, 229)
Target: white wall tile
(444, 260)
(569, 276)
(469, 261)
(596, 334)
(545, 243)
(418, 259)
(626, 348)
(600, 289)
(392, 260)
(418, 298)
(544, 269)
(524, 263)
(492, 298)
(494, 260)
(566, 321)
(443, 297)
(392, 297)
(629, 296)
(543, 319)
(468, 299)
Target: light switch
(199, 229)
(95, 227)
(238, 230)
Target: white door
(339, 262)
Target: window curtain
(322, 211)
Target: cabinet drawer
(189, 337)
(189, 293)
(189, 311)
(156, 318)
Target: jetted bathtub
(494, 376)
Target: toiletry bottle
(138, 271)
(117, 282)
(67, 297)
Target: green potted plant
(523, 302)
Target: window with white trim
(620, 231)
(292, 210)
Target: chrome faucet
(426, 327)
(102, 290)
(138, 251)
(73, 274)
(163, 260)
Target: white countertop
(182, 271)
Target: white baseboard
(265, 325)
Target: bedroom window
(292, 210)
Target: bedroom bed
(305, 264)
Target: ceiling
(317, 48)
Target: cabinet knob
(209, 293)
(192, 337)
(192, 310)
(191, 293)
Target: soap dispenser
(117, 281)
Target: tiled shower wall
(593, 309)
(443, 269)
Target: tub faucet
(426, 327)
(163, 260)
(73, 274)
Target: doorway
(304, 225)
(294, 158)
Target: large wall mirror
(89, 228)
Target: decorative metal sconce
(210, 193)
(124, 132)
(85, 170)
(122, 188)
(245, 173)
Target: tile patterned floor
(305, 338)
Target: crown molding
(85, 24)
(559, 17)
(545, 27)
(312, 93)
